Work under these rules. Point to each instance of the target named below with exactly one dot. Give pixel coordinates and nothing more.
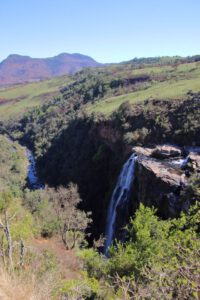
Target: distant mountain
(17, 69)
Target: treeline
(164, 60)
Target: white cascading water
(120, 196)
(184, 162)
(181, 163)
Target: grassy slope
(169, 82)
(179, 81)
(17, 99)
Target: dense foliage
(160, 121)
(159, 260)
(163, 60)
(12, 166)
(56, 212)
(26, 217)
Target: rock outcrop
(166, 151)
(159, 185)
(194, 159)
(193, 163)
(159, 181)
(160, 151)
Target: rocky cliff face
(162, 173)
(159, 178)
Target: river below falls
(33, 181)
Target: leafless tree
(6, 229)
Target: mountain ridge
(17, 69)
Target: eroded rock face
(110, 134)
(160, 151)
(194, 162)
(160, 178)
(166, 151)
(161, 170)
(160, 182)
(142, 150)
(159, 185)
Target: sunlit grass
(178, 80)
(171, 89)
(17, 99)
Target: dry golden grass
(36, 281)
(14, 287)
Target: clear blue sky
(107, 30)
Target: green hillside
(175, 84)
(105, 89)
(16, 100)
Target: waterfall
(33, 180)
(181, 163)
(120, 196)
(184, 162)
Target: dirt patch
(4, 101)
(67, 259)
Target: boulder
(162, 171)
(143, 150)
(160, 151)
(158, 184)
(166, 151)
(194, 162)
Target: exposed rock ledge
(194, 162)
(173, 177)
(160, 151)
(160, 180)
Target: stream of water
(32, 177)
(120, 196)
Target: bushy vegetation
(27, 217)
(56, 212)
(13, 166)
(164, 60)
(160, 121)
(159, 260)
